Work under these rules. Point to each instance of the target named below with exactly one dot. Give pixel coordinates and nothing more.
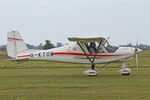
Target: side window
(102, 48)
(93, 47)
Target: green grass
(71, 84)
(145, 53)
(44, 80)
(3, 54)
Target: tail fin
(15, 44)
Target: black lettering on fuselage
(35, 54)
(52, 53)
(42, 54)
(48, 54)
(39, 54)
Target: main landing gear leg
(92, 71)
(93, 66)
(124, 71)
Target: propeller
(136, 55)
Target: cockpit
(104, 47)
(94, 45)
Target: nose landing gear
(124, 71)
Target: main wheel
(125, 74)
(91, 72)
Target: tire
(125, 74)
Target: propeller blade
(136, 53)
(137, 62)
(137, 45)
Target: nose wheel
(124, 71)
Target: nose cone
(138, 50)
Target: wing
(86, 40)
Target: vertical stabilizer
(15, 44)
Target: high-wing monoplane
(92, 51)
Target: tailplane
(15, 44)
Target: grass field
(44, 80)
(3, 54)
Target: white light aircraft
(85, 50)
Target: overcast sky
(55, 20)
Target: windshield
(110, 48)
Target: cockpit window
(110, 48)
(92, 48)
(105, 47)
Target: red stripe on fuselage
(23, 56)
(82, 54)
(76, 54)
(15, 39)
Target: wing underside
(85, 40)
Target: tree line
(140, 46)
(49, 45)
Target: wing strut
(93, 64)
(79, 43)
(90, 59)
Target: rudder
(15, 44)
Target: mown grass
(44, 80)
(3, 54)
(145, 53)
(71, 84)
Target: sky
(38, 20)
